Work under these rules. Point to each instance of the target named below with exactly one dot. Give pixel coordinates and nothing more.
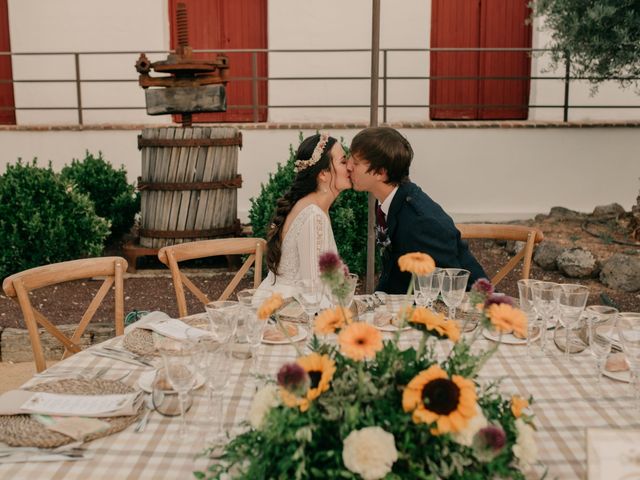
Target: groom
(407, 219)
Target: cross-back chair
(174, 254)
(19, 285)
(530, 235)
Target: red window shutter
(7, 117)
(220, 24)
(503, 25)
(454, 24)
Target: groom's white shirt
(384, 206)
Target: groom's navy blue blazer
(415, 223)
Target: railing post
(567, 79)
(78, 88)
(384, 85)
(254, 85)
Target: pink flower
(293, 378)
(492, 437)
(329, 262)
(482, 285)
(497, 300)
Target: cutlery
(142, 423)
(122, 358)
(125, 354)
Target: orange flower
(517, 405)
(418, 263)
(320, 369)
(434, 398)
(452, 331)
(360, 341)
(269, 306)
(426, 320)
(506, 318)
(331, 320)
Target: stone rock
(621, 272)
(546, 255)
(577, 263)
(512, 247)
(611, 210)
(565, 213)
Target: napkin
(16, 402)
(149, 318)
(166, 326)
(613, 454)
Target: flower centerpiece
(361, 406)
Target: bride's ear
(324, 176)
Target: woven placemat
(140, 341)
(23, 431)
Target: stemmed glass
(346, 295)
(572, 300)
(454, 284)
(430, 285)
(309, 295)
(180, 369)
(628, 328)
(223, 319)
(600, 346)
(545, 302)
(525, 292)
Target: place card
(613, 454)
(79, 405)
(175, 329)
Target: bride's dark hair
(304, 183)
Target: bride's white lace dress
(309, 236)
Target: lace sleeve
(316, 237)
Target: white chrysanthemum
(525, 448)
(465, 436)
(263, 401)
(369, 452)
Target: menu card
(175, 329)
(613, 454)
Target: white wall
(476, 174)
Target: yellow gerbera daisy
(269, 306)
(506, 318)
(434, 398)
(360, 341)
(424, 319)
(517, 405)
(320, 369)
(417, 262)
(331, 320)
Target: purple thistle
(293, 378)
(492, 437)
(484, 286)
(495, 299)
(329, 262)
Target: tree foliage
(600, 37)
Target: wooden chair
(18, 286)
(173, 255)
(530, 235)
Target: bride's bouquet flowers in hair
(355, 405)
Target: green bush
(348, 214)
(43, 220)
(113, 197)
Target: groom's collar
(386, 204)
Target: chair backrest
(18, 286)
(174, 254)
(530, 235)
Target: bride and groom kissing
(407, 219)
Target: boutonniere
(382, 239)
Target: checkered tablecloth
(567, 402)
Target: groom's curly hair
(305, 182)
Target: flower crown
(315, 156)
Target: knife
(122, 358)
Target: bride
(301, 230)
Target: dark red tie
(380, 217)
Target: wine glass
(628, 328)
(600, 345)
(525, 293)
(309, 295)
(255, 329)
(599, 315)
(430, 285)
(545, 302)
(223, 319)
(572, 300)
(454, 284)
(180, 370)
(345, 296)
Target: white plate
(623, 376)
(301, 335)
(145, 382)
(509, 338)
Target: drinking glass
(255, 329)
(572, 300)
(600, 346)
(223, 319)
(345, 296)
(454, 284)
(309, 295)
(628, 328)
(430, 285)
(180, 370)
(545, 302)
(525, 292)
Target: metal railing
(255, 79)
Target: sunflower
(320, 369)
(269, 306)
(506, 318)
(360, 341)
(517, 405)
(434, 398)
(418, 263)
(331, 320)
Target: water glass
(628, 328)
(525, 293)
(600, 345)
(545, 302)
(454, 284)
(430, 285)
(573, 299)
(180, 371)
(309, 295)
(223, 319)
(345, 296)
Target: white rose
(465, 436)
(525, 448)
(263, 401)
(370, 452)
